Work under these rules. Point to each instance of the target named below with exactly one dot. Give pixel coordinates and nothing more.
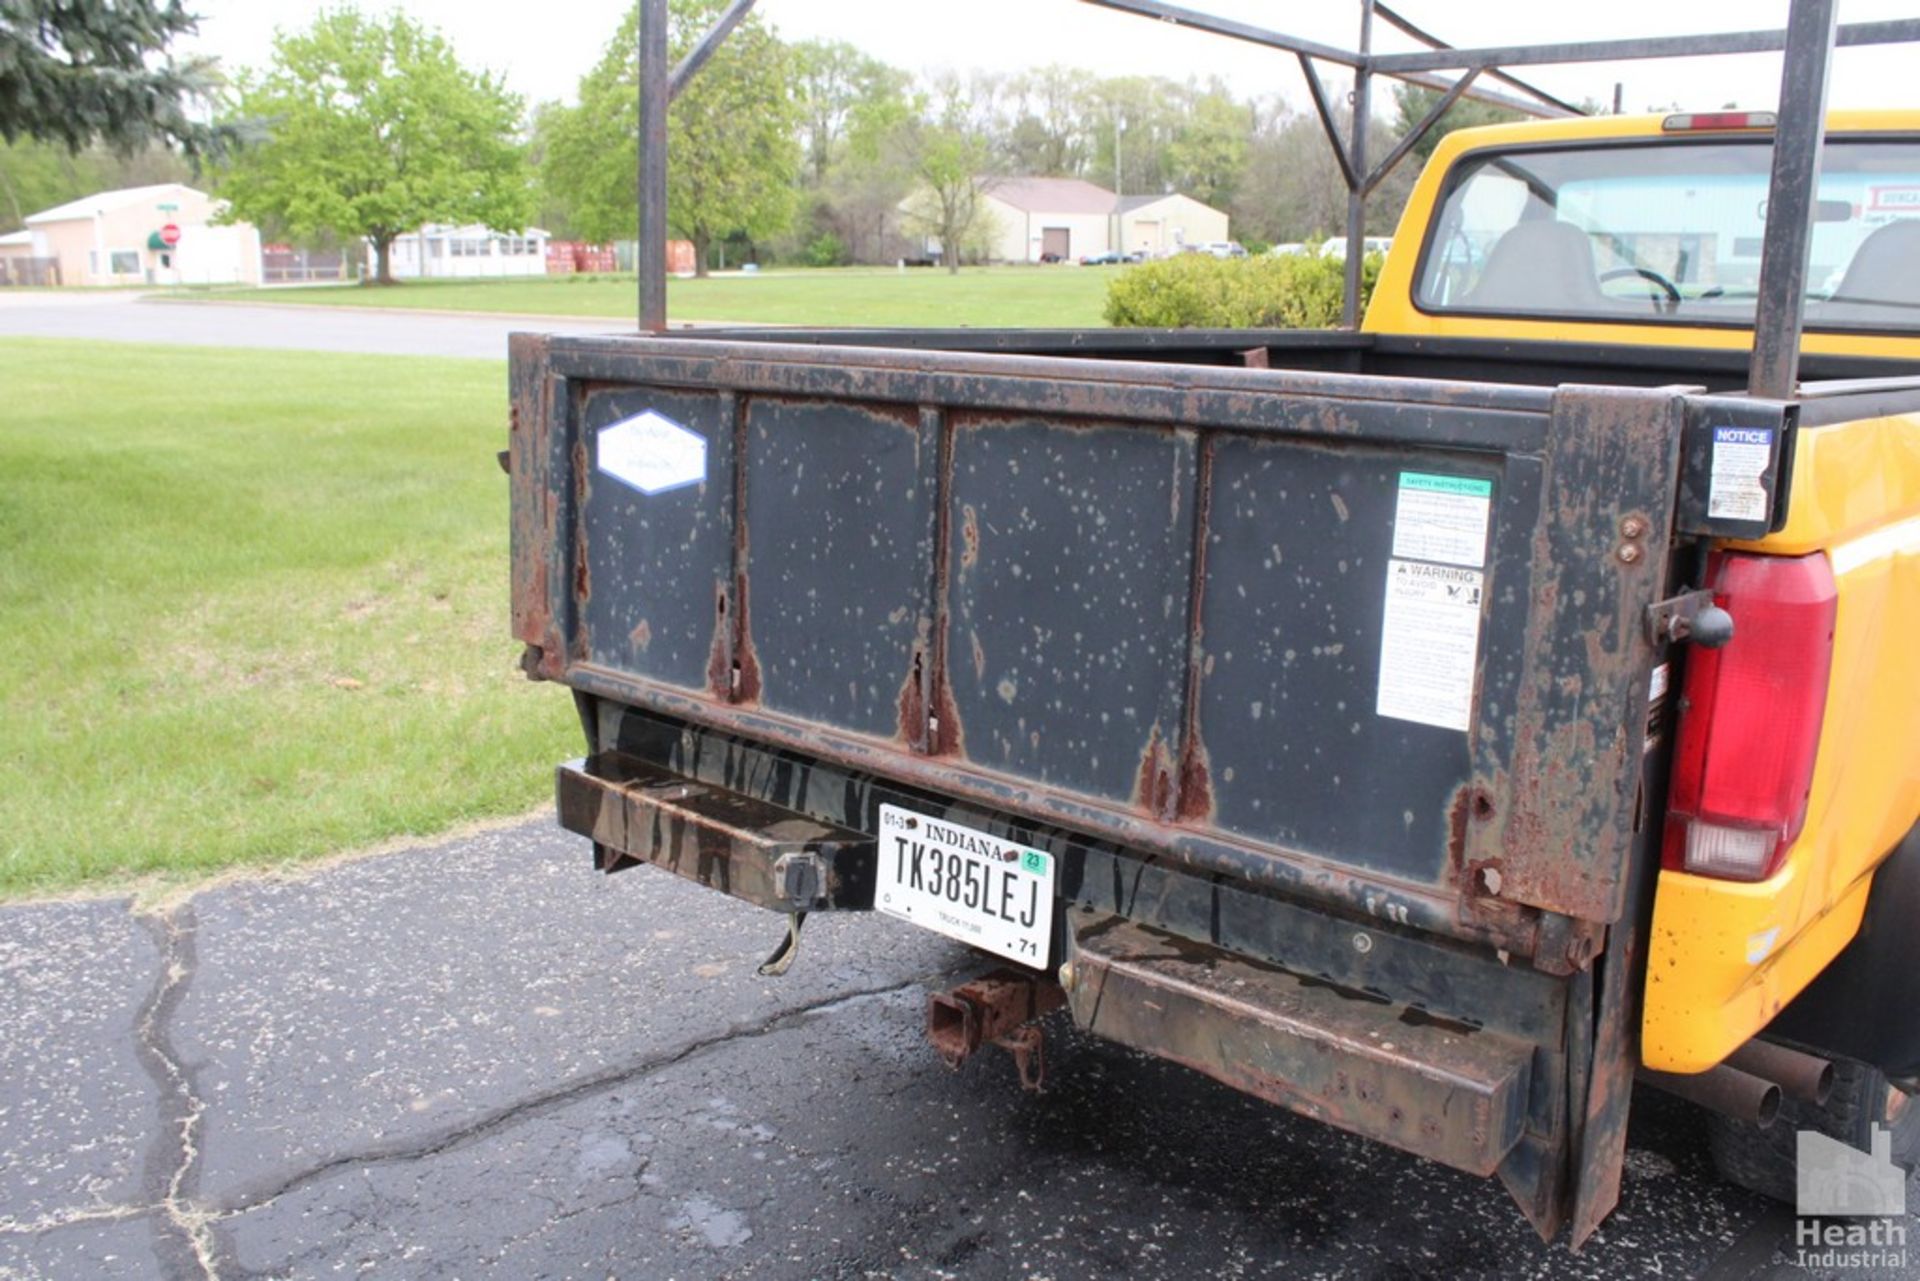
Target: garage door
(1056, 241)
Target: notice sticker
(652, 453)
(1430, 643)
(1442, 518)
(1740, 458)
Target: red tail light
(1750, 717)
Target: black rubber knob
(1711, 628)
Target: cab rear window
(1670, 232)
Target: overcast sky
(544, 49)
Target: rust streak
(969, 537)
(720, 653)
(1193, 799)
(745, 662)
(1153, 790)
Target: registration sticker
(972, 886)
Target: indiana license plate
(971, 886)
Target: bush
(1198, 291)
(826, 250)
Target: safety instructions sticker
(1442, 518)
(1740, 458)
(1430, 643)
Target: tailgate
(1377, 641)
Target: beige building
(1067, 219)
(116, 238)
(1159, 225)
(1042, 219)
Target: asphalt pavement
(479, 1058)
(121, 316)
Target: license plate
(966, 884)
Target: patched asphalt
(479, 1058)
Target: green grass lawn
(256, 610)
(1016, 297)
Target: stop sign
(170, 234)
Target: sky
(543, 50)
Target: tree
(731, 154)
(76, 73)
(39, 175)
(950, 159)
(1048, 136)
(838, 90)
(1207, 157)
(374, 128)
(872, 175)
(1412, 103)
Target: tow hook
(1001, 1007)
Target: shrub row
(1264, 291)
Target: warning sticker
(1430, 643)
(1740, 458)
(1442, 518)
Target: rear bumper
(771, 856)
(1432, 1046)
(1439, 1089)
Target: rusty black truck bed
(1327, 655)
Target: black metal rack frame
(1806, 44)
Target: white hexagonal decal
(652, 453)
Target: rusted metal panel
(839, 557)
(537, 506)
(637, 813)
(1556, 768)
(1300, 549)
(1067, 638)
(1141, 601)
(1434, 1088)
(1599, 1142)
(655, 566)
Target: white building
(120, 238)
(1160, 225)
(1047, 219)
(438, 252)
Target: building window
(126, 262)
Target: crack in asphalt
(10, 1226)
(184, 1240)
(497, 1119)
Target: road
(480, 1058)
(117, 316)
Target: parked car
(1103, 260)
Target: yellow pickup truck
(1434, 727)
(1790, 849)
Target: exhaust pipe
(1801, 1075)
(1726, 1090)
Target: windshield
(1671, 232)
